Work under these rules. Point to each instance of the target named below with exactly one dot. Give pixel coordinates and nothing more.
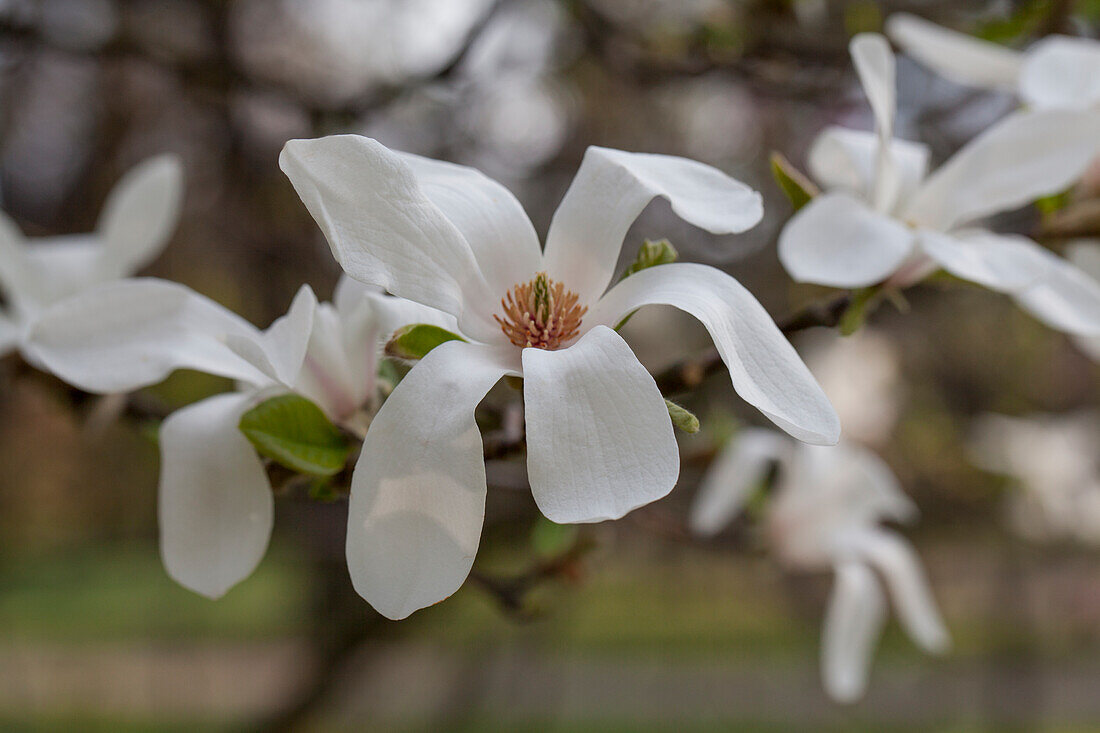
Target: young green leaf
(414, 341)
(682, 417)
(293, 432)
(651, 254)
(550, 540)
(797, 187)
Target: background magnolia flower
(1054, 461)
(826, 513)
(599, 438)
(135, 224)
(880, 219)
(1058, 72)
(216, 502)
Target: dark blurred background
(649, 629)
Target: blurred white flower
(1085, 254)
(826, 513)
(1057, 72)
(1054, 461)
(880, 219)
(215, 498)
(136, 222)
(861, 376)
(599, 437)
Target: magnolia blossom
(135, 224)
(599, 437)
(216, 502)
(1058, 72)
(880, 219)
(1053, 459)
(826, 513)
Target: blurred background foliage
(648, 629)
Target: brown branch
(512, 593)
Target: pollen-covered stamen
(540, 313)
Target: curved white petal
(845, 159)
(1060, 72)
(853, 622)
(418, 491)
(898, 564)
(1002, 262)
(140, 215)
(129, 334)
(1086, 256)
(956, 56)
(1023, 157)
(278, 352)
(765, 369)
(488, 215)
(874, 62)
(1067, 299)
(611, 189)
(599, 438)
(838, 240)
(733, 475)
(384, 230)
(215, 500)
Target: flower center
(540, 313)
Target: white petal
(765, 369)
(956, 56)
(1068, 299)
(280, 349)
(1086, 256)
(129, 334)
(384, 230)
(215, 500)
(853, 623)
(488, 215)
(1023, 157)
(611, 189)
(1001, 262)
(599, 438)
(838, 240)
(898, 564)
(140, 215)
(845, 159)
(874, 62)
(1061, 72)
(733, 475)
(418, 491)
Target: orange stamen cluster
(541, 314)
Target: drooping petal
(1001, 262)
(384, 230)
(956, 56)
(488, 215)
(1067, 299)
(1086, 256)
(732, 476)
(611, 189)
(1023, 157)
(418, 491)
(215, 500)
(599, 438)
(853, 622)
(140, 214)
(766, 371)
(898, 564)
(838, 240)
(1060, 72)
(874, 62)
(129, 334)
(845, 159)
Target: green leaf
(293, 432)
(321, 489)
(1054, 203)
(651, 254)
(857, 311)
(550, 540)
(797, 187)
(414, 341)
(682, 417)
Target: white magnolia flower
(826, 513)
(1085, 254)
(1054, 460)
(599, 438)
(215, 498)
(1057, 72)
(880, 219)
(135, 224)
